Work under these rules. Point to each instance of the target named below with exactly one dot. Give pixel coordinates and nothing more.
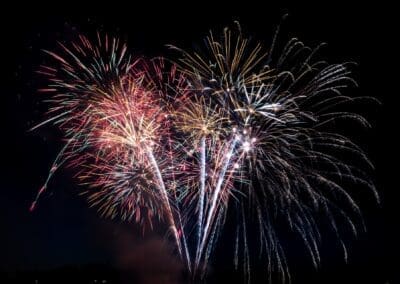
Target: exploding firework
(114, 128)
(229, 127)
(277, 155)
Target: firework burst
(278, 155)
(226, 127)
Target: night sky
(64, 232)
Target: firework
(229, 126)
(113, 127)
(274, 151)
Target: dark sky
(64, 231)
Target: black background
(64, 240)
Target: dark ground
(65, 242)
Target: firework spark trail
(165, 199)
(185, 244)
(215, 196)
(61, 158)
(202, 188)
(216, 220)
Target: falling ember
(185, 141)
